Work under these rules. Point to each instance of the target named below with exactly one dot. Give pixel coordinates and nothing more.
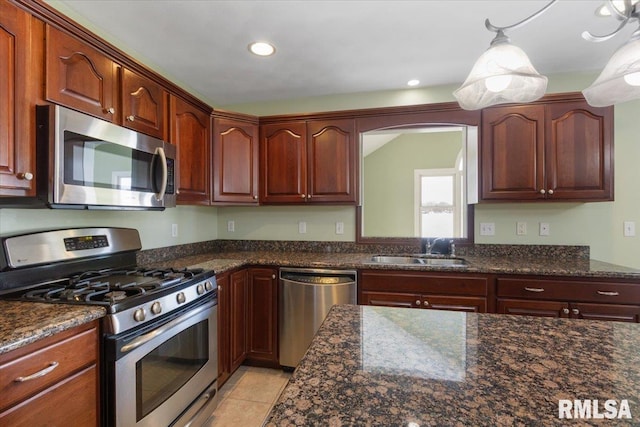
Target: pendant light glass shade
(620, 79)
(503, 74)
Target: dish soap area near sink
(417, 260)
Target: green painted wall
(389, 179)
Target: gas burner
(114, 296)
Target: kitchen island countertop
(22, 323)
(402, 367)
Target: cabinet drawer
(71, 402)
(57, 360)
(421, 283)
(586, 291)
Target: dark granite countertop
(22, 323)
(381, 366)
(576, 267)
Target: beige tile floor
(247, 397)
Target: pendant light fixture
(620, 78)
(503, 73)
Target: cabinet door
(190, 134)
(446, 302)
(512, 151)
(533, 308)
(21, 71)
(144, 105)
(79, 76)
(263, 315)
(615, 312)
(390, 299)
(238, 327)
(224, 323)
(235, 159)
(283, 162)
(579, 151)
(331, 153)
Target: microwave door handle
(163, 186)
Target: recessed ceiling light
(262, 48)
(413, 82)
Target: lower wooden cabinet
(437, 291)
(263, 316)
(570, 298)
(68, 390)
(232, 321)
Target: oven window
(100, 164)
(164, 370)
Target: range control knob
(208, 286)
(139, 315)
(200, 289)
(156, 308)
(180, 298)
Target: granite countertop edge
(226, 261)
(22, 323)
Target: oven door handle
(143, 339)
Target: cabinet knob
(418, 302)
(542, 191)
(255, 197)
(550, 191)
(309, 196)
(131, 118)
(303, 196)
(219, 288)
(565, 310)
(575, 311)
(425, 303)
(27, 176)
(111, 110)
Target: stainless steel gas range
(159, 358)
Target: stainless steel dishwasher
(306, 295)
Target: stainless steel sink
(416, 260)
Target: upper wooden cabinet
(80, 77)
(308, 162)
(190, 132)
(144, 105)
(235, 161)
(21, 71)
(559, 150)
(84, 79)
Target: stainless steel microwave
(94, 164)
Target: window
(438, 195)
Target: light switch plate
(545, 229)
(302, 227)
(521, 228)
(231, 226)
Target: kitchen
(569, 221)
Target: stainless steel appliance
(306, 296)
(159, 361)
(85, 162)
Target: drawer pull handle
(609, 293)
(42, 373)
(534, 289)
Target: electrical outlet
(302, 227)
(487, 229)
(339, 227)
(629, 229)
(231, 226)
(174, 230)
(521, 228)
(545, 230)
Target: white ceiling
(336, 47)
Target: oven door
(167, 375)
